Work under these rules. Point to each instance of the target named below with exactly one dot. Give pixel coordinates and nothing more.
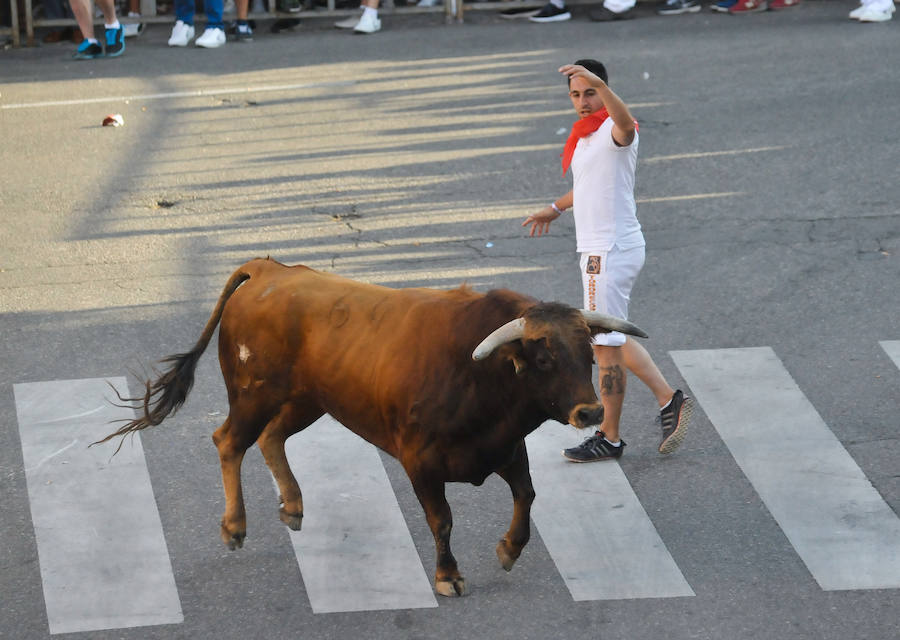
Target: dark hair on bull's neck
(594, 67)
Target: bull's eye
(544, 362)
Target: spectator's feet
(88, 50)
(517, 14)
(134, 29)
(605, 15)
(58, 35)
(775, 5)
(211, 38)
(369, 23)
(349, 23)
(243, 33)
(595, 448)
(182, 34)
(675, 7)
(722, 6)
(115, 41)
(748, 6)
(289, 6)
(430, 3)
(873, 14)
(551, 13)
(674, 419)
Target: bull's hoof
(506, 556)
(451, 588)
(293, 520)
(233, 540)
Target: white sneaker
(875, 15)
(211, 38)
(369, 23)
(348, 23)
(854, 15)
(182, 34)
(430, 3)
(133, 29)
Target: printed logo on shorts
(593, 264)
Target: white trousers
(607, 278)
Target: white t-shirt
(603, 192)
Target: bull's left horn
(612, 323)
(512, 330)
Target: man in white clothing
(602, 151)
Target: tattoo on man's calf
(613, 380)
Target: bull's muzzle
(586, 415)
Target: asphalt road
(767, 186)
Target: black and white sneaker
(674, 419)
(519, 13)
(551, 13)
(594, 449)
(675, 7)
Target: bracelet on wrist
(555, 208)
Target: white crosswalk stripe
(355, 552)
(103, 557)
(892, 348)
(837, 522)
(581, 506)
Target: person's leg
(213, 10)
(108, 7)
(612, 381)
(639, 362)
(81, 9)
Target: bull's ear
(513, 352)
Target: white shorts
(607, 278)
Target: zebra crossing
(104, 562)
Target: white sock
(114, 25)
(615, 444)
(370, 11)
(559, 4)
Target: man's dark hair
(594, 67)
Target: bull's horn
(604, 321)
(512, 330)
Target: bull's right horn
(512, 330)
(612, 323)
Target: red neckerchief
(581, 129)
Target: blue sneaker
(723, 5)
(115, 42)
(88, 50)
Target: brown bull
(409, 370)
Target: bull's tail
(164, 395)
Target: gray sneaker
(594, 449)
(674, 420)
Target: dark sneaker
(674, 420)
(675, 7)
(594, 449)
(88, 50)
(519, 13)
(551, 13)
(605, 15)
(243, 33)
(115, 42)
(289, 6)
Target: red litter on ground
(113, 120)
